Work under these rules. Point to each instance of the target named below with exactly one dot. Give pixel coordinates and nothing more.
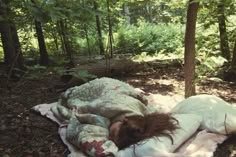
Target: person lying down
(133, 129)
(107, 117)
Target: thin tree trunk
(54, 36)
(65, 40)
(99, 31)
(42, 46)
(224, 46)
(43, 60)
(233, 63)
(110, 38)
(61, 38)
(6, 35)
(189, 54)
(149, 11)
(15, 37)
(56, 42)
(127, 14)
(7, 43)
(86, 33)
(87, 39)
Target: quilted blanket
(90, 108)
(84, 114)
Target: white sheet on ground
(201, 144)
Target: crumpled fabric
(89, 109)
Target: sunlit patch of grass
(145, 57)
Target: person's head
(133, 129)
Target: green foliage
(160, 37)
(148, 37)
(209, 63)
(144, 56)
(83, 45)
(207, 39)
(208, 45)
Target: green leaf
(218, 60)
(216, 79)
(56, 14)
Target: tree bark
(189, 54)
(149, 11)
(224, 46)
(61, 38)
(5, 30)
(99, 31)
(127, 13)
(110, 37)
(15, 37)
(54, 36)
(42, 46)
(233, 62)
(7, 42)
(65, 41)
(10, 40)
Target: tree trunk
(15, 37)
(224, 46)
(42, 46)
(110, 36)
(233, 63)
(61, 38)
(65, 41)
(56, 42)
(87, 39)
(99, 31)
(127, 13)
(149, 11)
(189, 54)
(7, 42)
(54, 36)
(6, 36)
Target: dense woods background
(79, 40)
(56, 32)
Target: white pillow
(218, 116)
(188, 124)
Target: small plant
(209, 64)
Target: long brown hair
(138, 128)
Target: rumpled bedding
(90, 108)
(105, 97)
(84, 114)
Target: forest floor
(24, 133)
